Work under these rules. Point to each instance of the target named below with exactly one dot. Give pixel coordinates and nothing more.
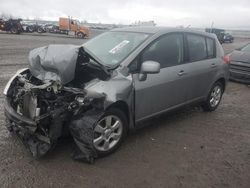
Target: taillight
(226, 59)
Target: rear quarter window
(210, 48)
(196, 47)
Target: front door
(166, 89)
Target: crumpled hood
(54, 62)
(240, 56)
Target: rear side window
(196, 47)
(210, 48)
(167, 50)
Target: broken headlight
(5, 91)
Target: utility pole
(212, 25)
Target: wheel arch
(123, 106)
(223, 82)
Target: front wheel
(109, 131)
(214, 97)
(80, 35)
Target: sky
(196, 13)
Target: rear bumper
(228, 39)
(240, 76)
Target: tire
(14, 30)
(30, 29)
(214, 97)
(107, 134)
(40, 30)
(80, 35)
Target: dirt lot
(188, 149)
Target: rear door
(202, 63)
(168, 88)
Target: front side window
(196, 47)
(167, 50)
(112, 47)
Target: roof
(140, 29)
(154, 30)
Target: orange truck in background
(70, 25)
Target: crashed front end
(38, 111)
(62, 91)
(48, 99)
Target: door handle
(213, 65)
(181, 73)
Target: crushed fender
(82, 131)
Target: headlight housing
(5, 91)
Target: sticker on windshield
(118, 47)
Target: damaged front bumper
(25, 129)
(81, 130)
(41, 112)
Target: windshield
(112, 47)
(246, 48)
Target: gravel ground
(189, 148)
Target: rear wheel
(109, 131)
(214, 97)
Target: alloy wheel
(215, 96)
(107, 133)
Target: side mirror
(149, 67)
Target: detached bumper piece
(25, 129)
